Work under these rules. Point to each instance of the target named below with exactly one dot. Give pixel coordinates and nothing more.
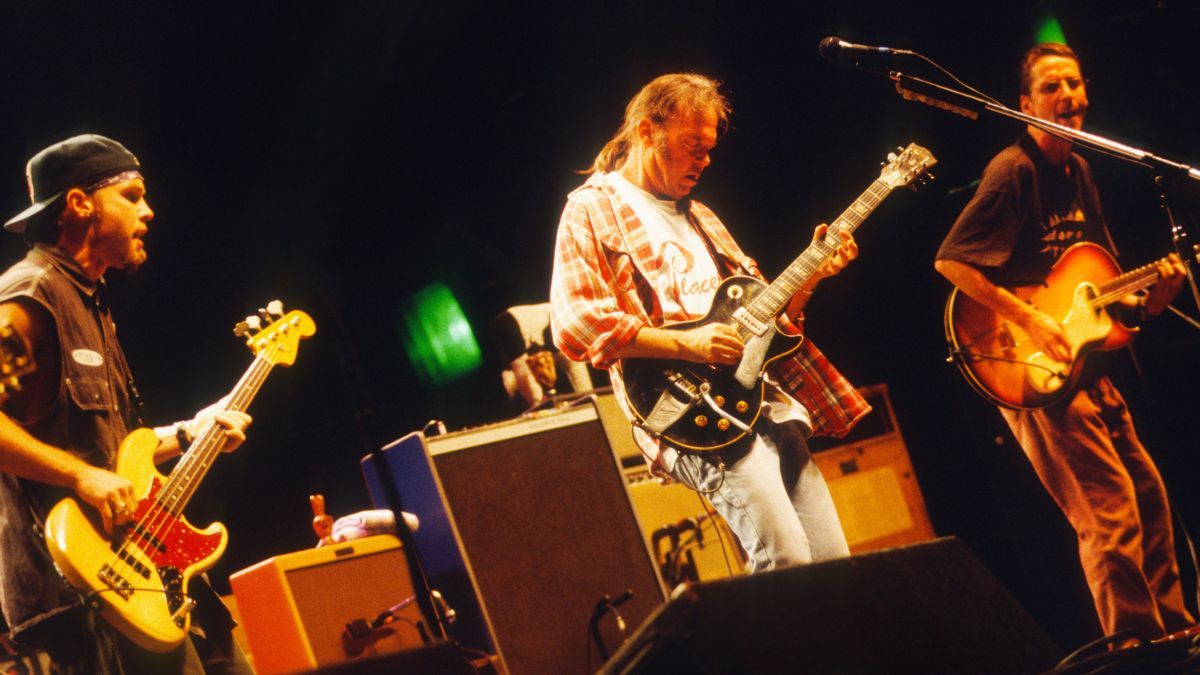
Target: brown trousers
(1088, 456)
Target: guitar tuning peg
(253, 323)
(275, 309)
(241, 329)
(264, 315)
(891, 156)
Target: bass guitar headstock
(908, 166)
(279, 341)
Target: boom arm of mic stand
(915, 88)
(964, 101)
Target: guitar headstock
(278, 342)
(15, 361)
(907, 168)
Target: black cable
(694, 484)
(711, 512)
(976, 356)
(951, 75)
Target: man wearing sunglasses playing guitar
(634, 253)
(60, 432)
(1035, 201)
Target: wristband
(182, 437)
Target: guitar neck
(775, 298)
(1130, 282)
(206, 447)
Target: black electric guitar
(701, 408)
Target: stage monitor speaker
(294, 607)
(926, 608)
(541, 521)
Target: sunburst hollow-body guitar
(1001, 362)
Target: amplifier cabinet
(294, 607)
(873, 483)
(535, 512)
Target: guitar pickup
(115, 581)
(750, 322)
(137, 566)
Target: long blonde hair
(664, 97)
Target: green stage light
(436, 335)
(1049, 30)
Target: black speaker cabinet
(542, 523)
(927, 608)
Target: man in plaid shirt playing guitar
(633, 252)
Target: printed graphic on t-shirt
(1062, 230)
(694, 283)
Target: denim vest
(93, 412)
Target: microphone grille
(828, 48)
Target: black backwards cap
(80, 161)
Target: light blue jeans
(773, 497)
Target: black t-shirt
(1024, 214)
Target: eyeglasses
(1053, 86)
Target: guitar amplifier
(872, 480)
(526, 528)
(295, 607)
(683, 531)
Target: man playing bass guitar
(1036, 199)
(60, 432)
(634, 253)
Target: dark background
(341, 156)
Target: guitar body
(998, 358)
(139, 586)
(738, 389)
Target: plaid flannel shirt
(601, 294)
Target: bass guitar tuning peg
(241, 329)
(253, 323)
(275, 309)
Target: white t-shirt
(690, 274)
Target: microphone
(834, 48)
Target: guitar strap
(715, 248)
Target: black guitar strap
(715, 249)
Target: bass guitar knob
(701, 421)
